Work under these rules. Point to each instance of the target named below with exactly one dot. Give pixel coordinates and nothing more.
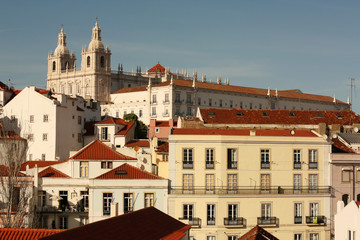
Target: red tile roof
(157, 68)
(264, 116)
(163, 147)
(126, 171)
(164, 123)
(126, 128)
(138, 143)
(4, 171)
(26, 233)
(147, 223)
(241, 132)
(108, 121)
(96, 150)
(258, 233)
(53, 173)
(340, 147)
(40, 164)
(131, 89)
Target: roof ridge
(55, 170)
(130, 166)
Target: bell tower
(96, 65)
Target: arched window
(88, 61)
(54, 66)
(345, 199)
(102, 61)
(62, 88)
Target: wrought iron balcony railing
(317, 220)
(267, 221)
(234, 222)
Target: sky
(311, 45)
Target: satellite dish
(356, 129)
(292, 132)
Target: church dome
(96, 42)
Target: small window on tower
(88, 61)
(54, 66)
(102, 61)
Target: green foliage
(140, 129)
(131, 117)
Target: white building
(52, 123)
(83, 188)
(179, 97)
(347, 221)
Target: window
(63, 202)
(251, 106)
(210, 238)
(345, 176)
(165, 157)
(153, 111)
(85, 199)
(209, 182)
(210, 102)
(211, 214)
(199, 101)
(232, 182)
(232, 212)
(265, 182)
(53, 66)
(188, 211)
(298, 236)
(63, 222)
(313, 182)
(106, 164)
(41, 198)
(88, 61)
(166, 113)
(107, 199)
(166, 98)
(148, 199)
(102, 61)
(241, 104)
(104, 133)
(31, 118)
(297, 159)
(43, 157)
(260, 106)
(189, 111)
(265, 210)
(84, 169)
(154, 99)
(220, 103)
(209, 162)
(314, 209)
(45, 118)
(345, 199)
(177, 111)
(188, 182)
(314, 236)
(78, 89)
(70, 88)
(45, 137)
(79, 119)
(177, 98)
(31, 137)
(233, 237)
(187, 158)
(298, 213)
(265, 158)
(140, 113)
(231, 158)
(128, 202)
(231, 103)
(188, 98)
(297, 182)
(313, 159)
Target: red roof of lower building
(138, 143)
(340, 147)
(127, 171)
(53, 173)
(26, 233)
(4, 171)
(39, 164)
(96, 150)
(163, 147)
(258, 233)
(147, 223)
(241, 132)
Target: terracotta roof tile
(340, 147)
(40, 164)
(4, 171)
(163, 147)
(138, 143)
(96, 150)
(157, 68)
(126, 128)
(258, 233)
(126, 171)
(141, 224)
(164, 123)
(53, 173)
(112, 121)
(265, 116)
(26, 233)
(241, 132)
(131, 89)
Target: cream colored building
(226, 181)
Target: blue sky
(286, 44)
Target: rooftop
(258, 233)
(26, 233)
(126, 171)
(52, 173)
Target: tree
(140, 129)
(16, 189)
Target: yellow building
(226, 181)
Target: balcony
(316, 220)
(188, 165)
(298, 219)
(235, 222)
(209, 165)
(313, 165)
(265, 165)
(268, 221)
(277, 190)
(195, 222)
(211, 221)
(166, 102)
(297, 165)
(71, 209)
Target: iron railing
(267, 221)
(320, 220)
(239, 221)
